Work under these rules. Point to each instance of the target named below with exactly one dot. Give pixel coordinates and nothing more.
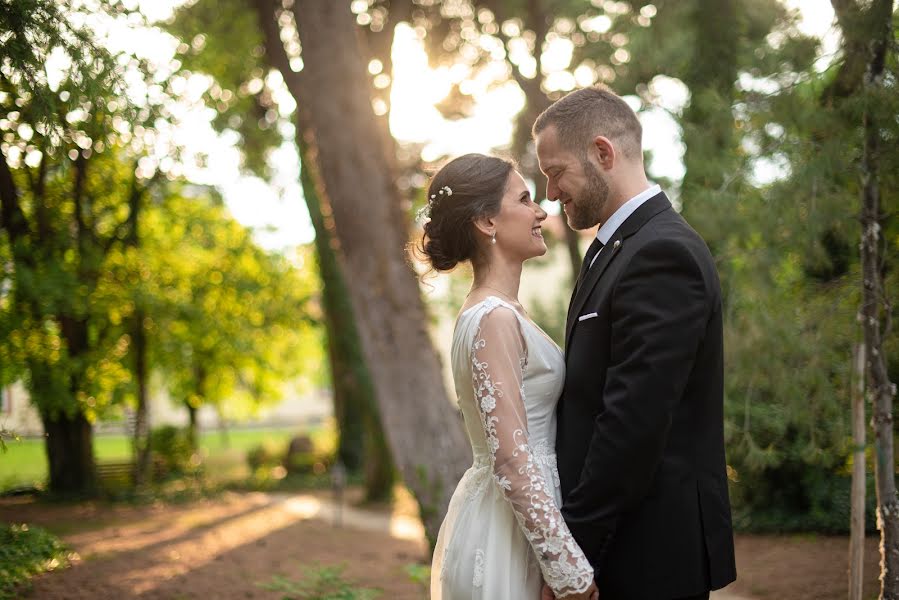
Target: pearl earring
(493, 238)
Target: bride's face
(518, 224)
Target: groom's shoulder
(670, 225)
(668, 237)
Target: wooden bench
(119, 473)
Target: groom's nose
(552, 190)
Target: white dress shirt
(608, 229)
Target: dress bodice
(543, 367)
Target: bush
(266, 455)
(303, 459)
(171, 446)
(26, 551)
(795, 497)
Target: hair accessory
(423, 216)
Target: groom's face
(572, 180)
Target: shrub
(26, 551)
(265, 455)
(171, 446)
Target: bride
(503, 536)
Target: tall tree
(425, 433)
(873, 30)
(58, 216)
(238, 53)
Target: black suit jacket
(640, 440)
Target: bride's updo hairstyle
(463, 190)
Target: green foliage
(266, 455)
(30, 32)
(222, 39)
(25, 551)
(787, 253)
(420, 574)
(172, 447)
(222, 312)
(6, 434)
(797, 497)
(320, 583)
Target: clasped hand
(591, 593)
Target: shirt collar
(624, 211)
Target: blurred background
(208, 301)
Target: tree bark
(68, 442)
(361, 442)
(424, 431)
(361, 439)
(193, 426)
(857, 510)
(141, 439)
(875, 304)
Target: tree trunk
(875, 304)
(424, 431)
(192, 427)
(141, 441)
(355, 408)
(857, 518)
(68, 442)
(379, 470)
(361, 440)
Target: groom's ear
(604, 153)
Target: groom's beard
(588, 204)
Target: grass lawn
(25, 463)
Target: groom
(640, 442)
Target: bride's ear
(485, 226)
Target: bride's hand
(591, 593)
(547, 593)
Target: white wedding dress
(503, 528)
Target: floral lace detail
(547, 457)
(478, 578)
(478, 478)
(497, 376)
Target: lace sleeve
(498, 358)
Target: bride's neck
(498, 277)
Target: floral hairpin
(444, 190)
(424, 215)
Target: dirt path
(221, 549)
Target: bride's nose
(541, 214)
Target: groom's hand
(547, 593)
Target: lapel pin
(616, 244)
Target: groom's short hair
(586, 113)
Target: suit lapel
(631, 225)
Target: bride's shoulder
(477, 309)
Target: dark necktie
(592, 251)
